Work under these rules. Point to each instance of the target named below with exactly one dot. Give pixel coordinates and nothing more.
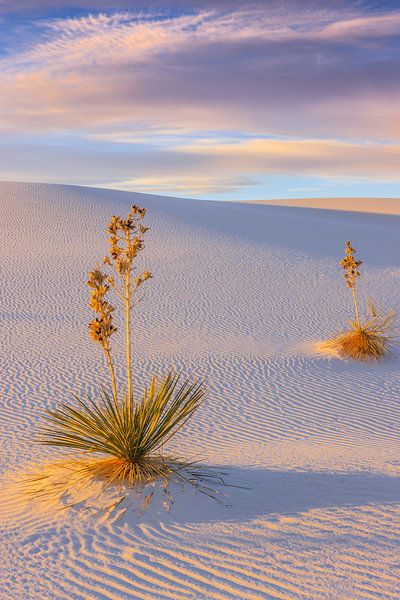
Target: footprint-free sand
(241, 295)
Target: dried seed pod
(350, 265)
(101, 328)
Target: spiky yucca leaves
(370, 340)
(131, 434)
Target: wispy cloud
(232, 90)
(367, 27)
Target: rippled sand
(241, 295)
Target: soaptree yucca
(130, 433)
(368, 339)
(127, 434)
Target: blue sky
(223, 100)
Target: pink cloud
(303, 73)
(363, 27)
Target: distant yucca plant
(129, 434)
(368, 340)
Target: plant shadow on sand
(243, 495)
(264, 492)
(306, 229)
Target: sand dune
(385, 206)
(240, 295)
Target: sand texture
(241, 295)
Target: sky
(214, 99)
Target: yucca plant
(127, 434)
(372, 338)
(131, 433)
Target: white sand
(241, 292)
(386, 206)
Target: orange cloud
(321, 158)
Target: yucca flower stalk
(369, 339)
(126, 241)
(350, 266)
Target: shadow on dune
(246, 494)
(267, 492)
(316, 232)
(312, 231)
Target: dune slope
(241, 293)
(385, 206)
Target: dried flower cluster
(101, 328)
(350, 265)
(130, 233)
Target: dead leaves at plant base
(370, 341)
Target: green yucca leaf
(132, 432)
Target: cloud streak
(208, 68)
(206, 167)
(295, 88)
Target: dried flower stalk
(350, 266)
(126, 241)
